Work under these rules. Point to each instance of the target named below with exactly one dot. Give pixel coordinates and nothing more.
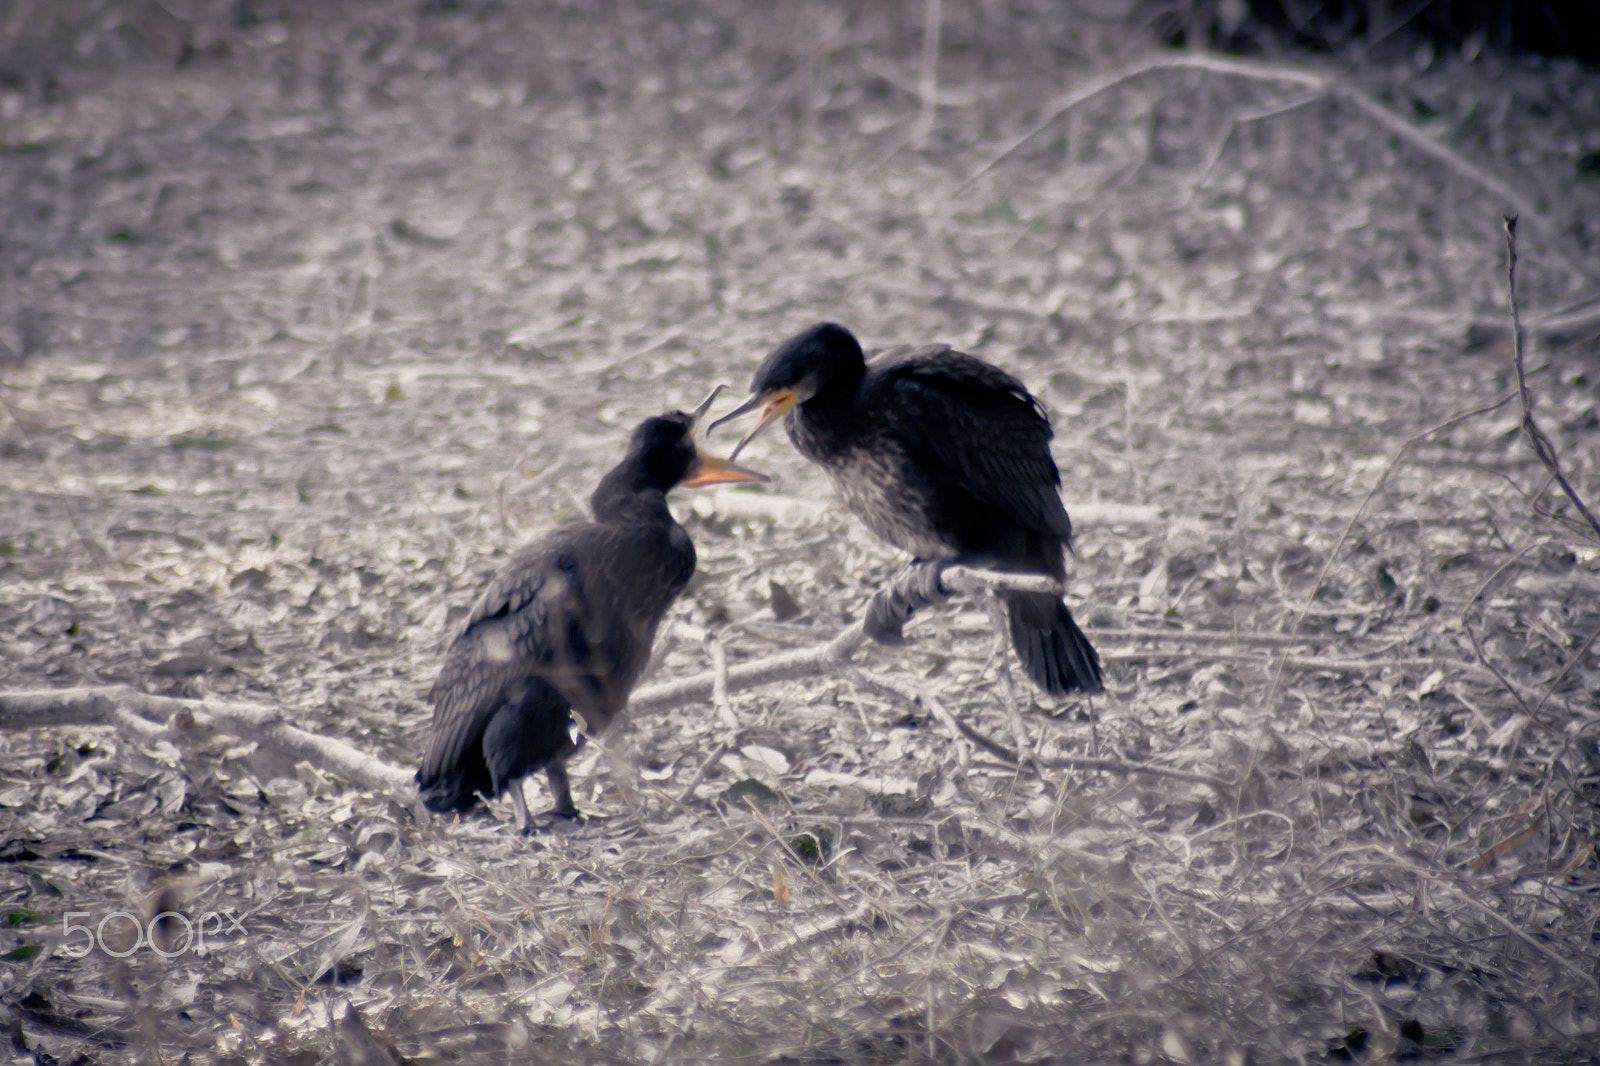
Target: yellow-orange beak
(774, 404)
(708, 468)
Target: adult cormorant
(943, 456)
(565, 629)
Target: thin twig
(1333, 553)
(1477, 646)
(1002, 673)
(706, 767)
(1068, 762)
(953, 725)
(1483, 657)
(928, 77)
(1542, 446)
(1233, 125)
(719, 681)
(1505, 923)
(1572, 660)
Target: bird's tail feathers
(1054, 651)
(448, 792)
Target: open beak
(774, 404)
(708, 469)
(705, 405)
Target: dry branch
(1538, 946)
(156, 717)
(820, 660)
(1383, 477)
(928, 75)
(953, 725)
(885, 686)
(1000, 653)
(1542, 446)
(1324, 85)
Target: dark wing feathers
(553, 612)
(997, 441)
(522, 626)
(525, 574)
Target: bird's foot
(554, 820)
(915, 587)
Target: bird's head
(673, 457)
(793, 373)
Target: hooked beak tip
(705, 405)
(744, 408)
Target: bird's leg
(561, 788)
(519, 803)
(916, 586)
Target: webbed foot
(915, 587)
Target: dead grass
(304, 337)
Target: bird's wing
(992, 434)
(533, 619)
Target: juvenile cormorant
(943, 456)
(565, 628)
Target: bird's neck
(841, 387)
(629, 494)
(824, 427)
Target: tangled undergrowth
(303, 335)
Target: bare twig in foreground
(1542, 447)
(1338, 545)
(955, 725)
(1002, 672)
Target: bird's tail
(443, 791)
(453, 770)
(1054, 652)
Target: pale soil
(300, 340)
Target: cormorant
(565, 628)
(941, 455)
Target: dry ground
(302, 334)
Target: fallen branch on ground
(820, 660)
(167, 717)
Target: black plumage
(565, 628)
(943, 456)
